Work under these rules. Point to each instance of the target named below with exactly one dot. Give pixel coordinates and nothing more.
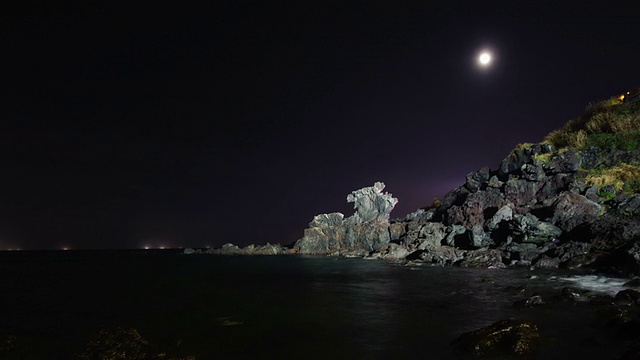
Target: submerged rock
(506, 338)
(627, 297)
(532, 301)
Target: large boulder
(506, 338)
(572, 210)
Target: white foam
(600, 284)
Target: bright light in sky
(484, 58)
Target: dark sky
(178, 125)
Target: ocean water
(283, 307)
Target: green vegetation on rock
(606, 124)
(622, 177)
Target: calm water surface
(278, 306)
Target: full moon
(484, 59)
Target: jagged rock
(564, 162)
(547, 262)
(478, 237)
(443, 255)
(477, 180)
(572, 210)
(392, 251)
(472, 211)
(483, 258)
(396, 231)
(528, 229)
(327, 220)
(366, 230)
(506, 338)
(532, 172)
(431, 235)
(505, 213)
(494, 182)
(371, 204)
(521, 193)
(267, 249)
(454, 233)
(552, 186)
(366, 236)
(523, 253)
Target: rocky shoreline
(537, 209)
(571, 201)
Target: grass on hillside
(623, 177)
(606, 124)
(609, 123)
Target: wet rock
(573, 250)
(529, 229)
(547, 262)
(392, 251)
(483, 258)
(627, 297)
(535, 300)
(444, 255)
(119, 344)
(574, 295)
(580, 261)
(504, 338)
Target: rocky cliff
(568, 203)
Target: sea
(286, 307)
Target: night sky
(125, 126)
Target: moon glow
(484, 59)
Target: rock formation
(365, 231)
(535, 210)
(543, 207)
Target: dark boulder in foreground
(124, 344)
(503, 339)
